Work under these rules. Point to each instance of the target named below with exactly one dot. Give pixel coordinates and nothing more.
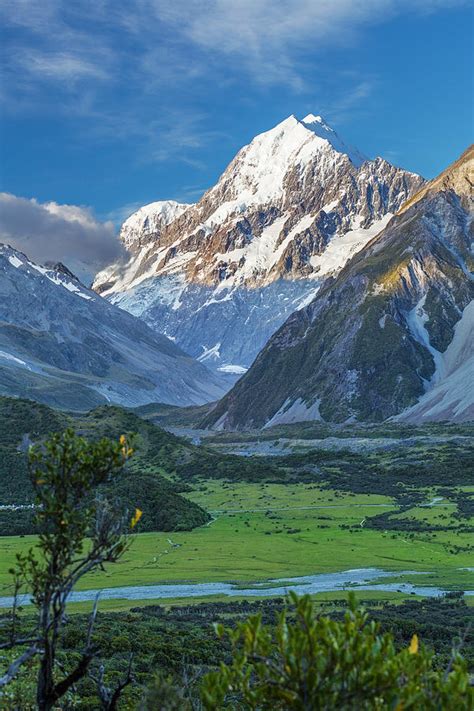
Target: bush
(308, 662)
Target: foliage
(22, 421)
(142, 484)
(78, 534)
(318, 663)
(318, 429)
(400, 472)
(180, 642)
(163, 508)
(173, 415)
(166, 695)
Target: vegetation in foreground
(174, 648)
(78, 533)
(311, 662)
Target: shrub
(310, 662)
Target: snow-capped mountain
(222, 275)
(392, 334)
(62, 344)
(147, 223)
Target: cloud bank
(48, 232)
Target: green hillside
(143, 483)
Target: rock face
(393, 328)
(64, 345)
(221, 276)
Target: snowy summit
(222, 275)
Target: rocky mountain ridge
(62, 344)
(393, 328)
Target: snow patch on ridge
(452, 394)
(210, 353)
(235, 369)
(296, 411)
(342, 248)
(14, 261)
(416, 320)
(307, 299)
(10, 357)
(54, 276)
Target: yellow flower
(126, 450)
(136, 518)
(413, 648)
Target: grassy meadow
(264, 531)
(402, 500)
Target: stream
(358, 579)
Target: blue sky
(112, 104)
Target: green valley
(395, 504)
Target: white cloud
(170, 52)
(151, 39)
(270, 36)
(52, 232)
(60, 66)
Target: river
(358, 579)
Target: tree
(78, 533)
(315, 663)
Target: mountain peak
(288, 210)
(167, 209)
(459, 177)
(304, 131)
(410, 291)
(320, 127)
(149, 219)
(311, 118)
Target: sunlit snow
(14, 261)
(342, 247)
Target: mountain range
(219, 277)
(62, 344)
(334, 286)
(391, 335)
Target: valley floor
(260, 532)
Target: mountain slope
(291, 207)
(378, 336)
(451, 396)
(64, 345)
